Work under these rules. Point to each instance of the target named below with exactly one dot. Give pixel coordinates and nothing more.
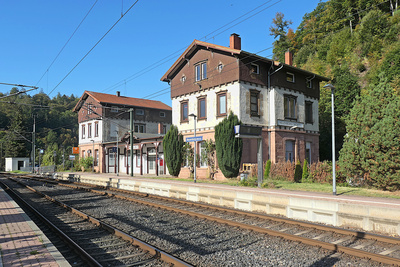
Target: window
(203, 154)
(290, 107)
(140, 128)
(289, 147)
(221, 104)
(183, 78)
(308, 152)
(309, 112)
(162, 114)
(201, 71)
(201, 108)
(164, 129)
(309, 83)
(96, 157)
(114, 109)
(140, 112)
(289, 77)
(89, 130)
(83, 153)
(90, 109)
(254, 102)
(254, 69)
(111, 157)
(137, 158)
(83, 131)
(96, 129)
(184, 111)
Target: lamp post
(116, 163)
(92, 155)
(330, 86)
(195, 144)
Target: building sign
(291, 124)
(71, 157)
(75, 150)
(194, 139)
(248, 130)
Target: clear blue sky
(146, 41)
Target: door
(111, 161)
(151, 160)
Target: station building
(210, 81)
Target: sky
(136, 52)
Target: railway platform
(380, 215)
(21, 241)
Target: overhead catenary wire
(69, 39)
(170, 57)
(123, 15)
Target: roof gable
(103, 99)
(188, 53)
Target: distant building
(210, 80)
(17, 164)
(104, 119)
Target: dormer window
(309, 83)
(220, 67)
(200, 71)
(290, 77)
(254, 69)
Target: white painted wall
(12, 163)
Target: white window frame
(292, 80)
(200, 71)
(140, 112)
(255, 68)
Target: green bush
(267, 168)
(305, 171)
(86, 163)
(298, 173)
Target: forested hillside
(357, 45)
(56, 126)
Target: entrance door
(111, 161)
(151, 160)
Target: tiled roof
(121, 100)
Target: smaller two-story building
(104, 132)
(210, 81)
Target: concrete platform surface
(21, 241)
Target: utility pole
(33, 144)
(131, 138)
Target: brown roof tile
(121, 100)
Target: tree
(172, 145)
(229, 149)
(371, 148)
(279, 31)
(209, 157)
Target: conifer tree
(172, 145)
(229, 149)
(371, 149)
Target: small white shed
(13, 164)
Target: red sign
(75, 150)
(161, 162)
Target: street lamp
(330, 86)
(92, 155)
(195, 144)
(116, 163)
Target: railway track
(380, 249)
(86, 240)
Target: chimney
(288, 58)
(235, 41)
(118, 93)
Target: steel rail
(329, 246)
(166, 257)
(78, 249)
